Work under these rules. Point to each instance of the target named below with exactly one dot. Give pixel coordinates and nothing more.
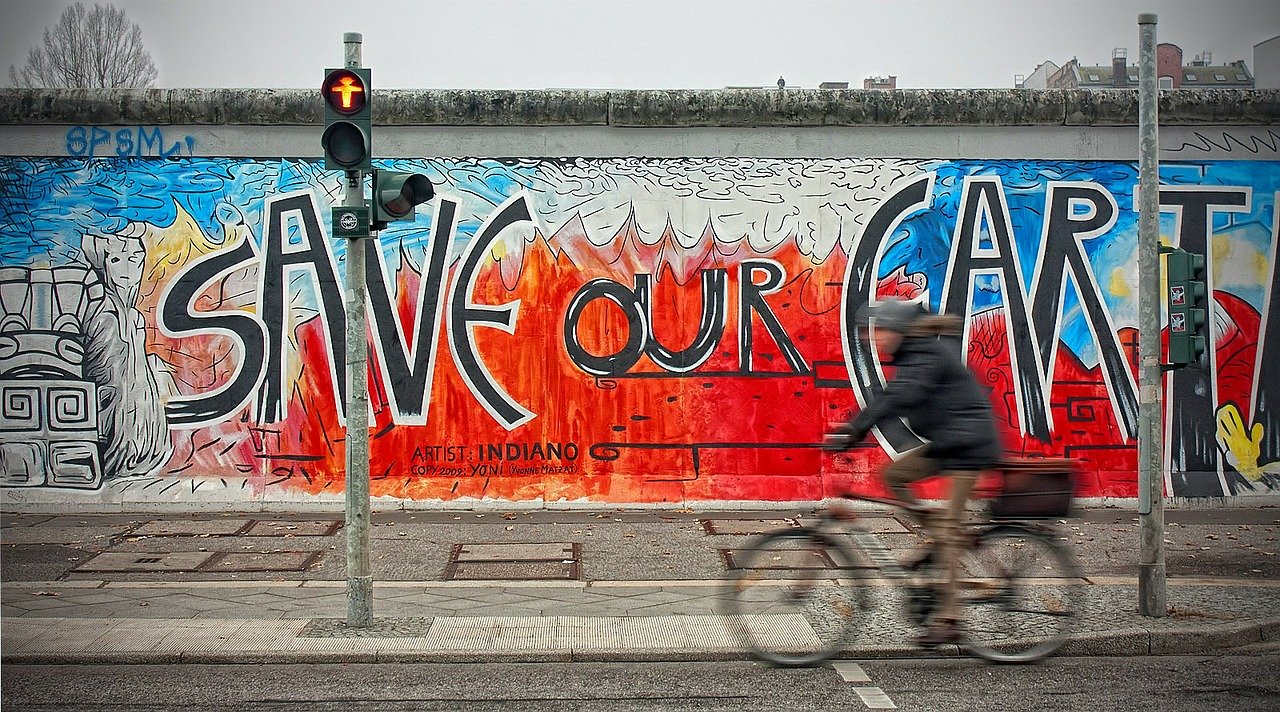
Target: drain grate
(745, 526)
(514, 562)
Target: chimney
(1169, 62)
(1119, 67)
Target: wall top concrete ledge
(644, 108)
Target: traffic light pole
(359, 576)
(1151, 568)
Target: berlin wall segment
(620, 330)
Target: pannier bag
(1035, 489)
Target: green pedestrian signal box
(396, 194)
(348, 129)
(1187, 300)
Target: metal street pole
(1151, 571)
(359, 578)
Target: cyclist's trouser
(946, 530)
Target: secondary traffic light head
(395, 195)
(347, 137)
(1185, 273)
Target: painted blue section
(925, 240)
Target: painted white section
(850, 671)
(875, 698)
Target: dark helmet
(895, 315)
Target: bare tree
(88, 49)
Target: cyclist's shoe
(940, 633)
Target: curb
(1124, 643)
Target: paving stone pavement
(656, 606)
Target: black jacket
(940, 399)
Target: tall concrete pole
(359, 577)
(1151, 571)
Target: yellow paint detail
(169, 249)
(1221, 250)
(1120, 286)
(1240, 444)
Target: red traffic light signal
(345, 91)
(348, 121)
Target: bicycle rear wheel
(789, 597)
(1021, 592)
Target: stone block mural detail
(614, 330)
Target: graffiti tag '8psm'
(140, 141)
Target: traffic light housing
(1185, 273)
(348, 130)
(396, 194)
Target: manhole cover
(193, 527)
(876, 524)
(514, 552)
(513, 562)
(781, 559)
(324, 527)
(144, 562)
(262, 561)
(512, 570)
(745, 526)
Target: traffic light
(1187, 302)
(347, 120)
(396, 194)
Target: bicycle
(795, 595)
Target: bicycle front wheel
(1022, 594)
(790, 597)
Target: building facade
(889, 82)
(1266, 63)
(1171, 70)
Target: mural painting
(615, 330)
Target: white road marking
(850, 671)
(874, 698)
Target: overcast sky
(633, 44)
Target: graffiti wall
(615, 330)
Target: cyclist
(938, 396)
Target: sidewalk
(634, 586)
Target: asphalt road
(1243, 680)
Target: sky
(648, 44)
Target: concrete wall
(1049, 124)
(629, 297)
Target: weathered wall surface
(631, 297)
